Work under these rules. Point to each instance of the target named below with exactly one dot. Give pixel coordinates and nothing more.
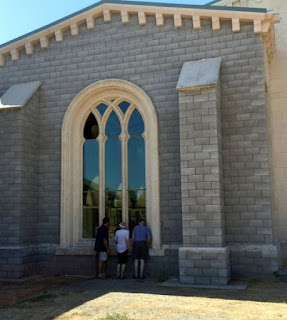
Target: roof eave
(160, 10)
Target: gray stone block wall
(203, 259)
(30, 167)
(201, 163)
(10, 176)
(253, 260)
(204, 266)
(151, 57)
(19, 190)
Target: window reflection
(113, 179)
(137, 207)
(91, 130)
(136, 163)
(113, 173)
(136, 170)
(136, 124)
(90, 188)
(113, 126)
(124, 106)
(113, 166)
(102, 108)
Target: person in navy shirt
(102, 247)
(141, 240)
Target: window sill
(86, 248)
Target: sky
(18, 17)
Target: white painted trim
(72, 141)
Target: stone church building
(129, 109)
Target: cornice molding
(262, 22)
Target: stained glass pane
(102, 108)
(124, 106)
(90, 188)
(91, 130)
(136, 124)
(113, 126)
(136, 163)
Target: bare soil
(78, 298)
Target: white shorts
(103, 255)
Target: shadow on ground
(51, 297)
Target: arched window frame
(72, 162)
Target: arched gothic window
(117, 128)
(110, 163)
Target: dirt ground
(78, 298)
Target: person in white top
(123, 245)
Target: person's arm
(127, 241)
(133, 239)
(105, 241)
(148, 237)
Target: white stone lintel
(125, 17)
(44, 42)
(177, 21)
(159, 19)
(29, 48)
(196, 22)
(107, 15)
(74, 29)
(14, 54)
(142, 18)
(90, 21)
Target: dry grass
(132, 300)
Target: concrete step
(283, 274)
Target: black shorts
(140, 250)
(123, 257)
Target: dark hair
(105, 220)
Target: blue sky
(18, 17)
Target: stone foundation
(249, 261)
(205, 266)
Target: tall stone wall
(151, 57)
(19, 190)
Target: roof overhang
(262, 20)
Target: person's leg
(123, 270)
(119, 270)
(103, 256)
(141, 268)
(136, 267)
(101, 268)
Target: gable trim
(261, 19)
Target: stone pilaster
(203, 259)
